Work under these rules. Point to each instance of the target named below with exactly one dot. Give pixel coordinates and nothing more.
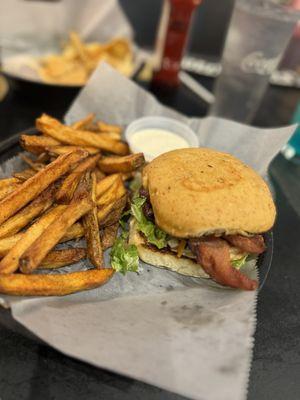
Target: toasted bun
(183, 265)
(199, 191)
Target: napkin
(179, 333)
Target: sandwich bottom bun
(183, 265)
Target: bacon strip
(213, 255)
(252, 244)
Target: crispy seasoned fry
(22, 176)
(35, 254)
(10, 262)
(54, 284)
(8, 242)
(105, 212)
(4, 183)
(68, 187)
(15, 223)
(36, 166)
(81, 52)
(103, 127)
(36, 184)
(110, 136)
(61, 258)
(44, 158)
(109, 235)
(111, 165)
(58, 150)
(99, 175)
(53, 128)
(115, 192)
(92, 234)
(37, 144)
(6, 190)
(84, 123)
(114, 216)
(76, 231)
(104, 184)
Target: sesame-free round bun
(199, 191)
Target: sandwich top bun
(199, 191)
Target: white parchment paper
(35, 28)
(175, 332)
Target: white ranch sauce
(154, 142)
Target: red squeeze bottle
(171, 40)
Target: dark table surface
(31, 370)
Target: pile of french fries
(74, 187)
(78, 60)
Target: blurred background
(208, 32)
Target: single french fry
(58, 150)
(111, 165)
(109, 235)
(76, 231)
(66, 134)
(92, 233)
(69, 185)
(104, 184)
(105, 211)
(102, 214)
(61, 258)
(115, 214)
(44, 158)
(18, 221)
(103, 127)
(115, 192)
(7, 182)
(35, 254)
(6, 190)
(37, 144)
(8, 243)
(78, 45)
(36, 184)
(54, 284)
(84, 123)
(10, 262)
(36, 166)
(110, 135)
(22, 176)
(99, 175)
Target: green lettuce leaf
(124, 257)
(239, 262)
(153, 234)
(136, 183)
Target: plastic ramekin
(155, 122)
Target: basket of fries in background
(74, 186)
(61, 52)
(74, 63)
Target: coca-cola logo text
(257, 63)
